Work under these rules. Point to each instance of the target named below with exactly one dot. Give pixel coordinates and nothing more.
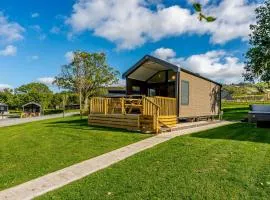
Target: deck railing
(146, 105)
(153, 111)
(167, 105)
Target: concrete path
(57, 179)
(15, 121)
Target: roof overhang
(32, 103)
(147, 67)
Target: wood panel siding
(204, 97)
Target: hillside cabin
(31, 109)
(158, 94)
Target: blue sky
(35, 36)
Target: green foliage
(258, 56)
(247, 89)
(198, 8)
(34, 92)
(210, 19)
(87, 75)
(52, 111)
(7, 96)
(39, 93)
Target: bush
(52, 111)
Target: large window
(160, 77)
(184, 92)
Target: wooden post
(157, 118)
(143, 105)
(122, 105)
(91, 106)
(105, 106)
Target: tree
(258, 56)
(36, 92)
(87, 75)
(7, 96)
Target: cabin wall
(204, 97)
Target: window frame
(186, 82)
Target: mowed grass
(235, 114)
(31, 150)
(237, 111)
(230, 162)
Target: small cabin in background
(3, 108)
(31, 109)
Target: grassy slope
(34, 149)
(230, 162)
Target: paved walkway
(15, 121)
(57, 179)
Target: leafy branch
(198, 8)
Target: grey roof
(3, 104)
(32, 103)
(164, 63)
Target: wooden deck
(146, 114)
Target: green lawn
(236, 113)
(30, 150)
(237, 110)
(230, 162)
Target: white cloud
(164, 53)
(69, 56)
(55, 30)
(10, 50)
(36, 28)
(5, 86)
(202, 2)
(46, 80)
(132, 23)
(35, 15)
(216, 65)
(39, 31)
(9, 31)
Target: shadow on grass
(82, 124)
(238, 132)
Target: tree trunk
(81, 103)
(86, 105)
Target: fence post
(91, 106)
(122, 105)
(157, 119)
(105, 106)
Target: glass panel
(171, 90)
(172, 76)
(160, 77)
(151, 92)
(184, 92)
(135, 88)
